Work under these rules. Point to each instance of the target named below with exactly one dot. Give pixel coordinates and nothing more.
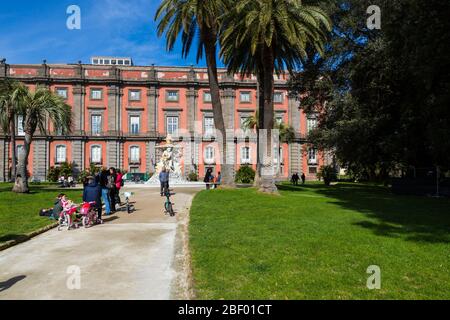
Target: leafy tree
(382, 95)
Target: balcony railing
(134, 161)
(96, 162)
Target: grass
(316, 242)
(19, 213)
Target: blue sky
(31, 31)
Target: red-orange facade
(122, 114)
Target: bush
(53, 174)
(245, 174)
(328, 174)
(193, 177)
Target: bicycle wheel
(170, 209)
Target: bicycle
(168, 205)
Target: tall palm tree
(267, 37)
(8, 113)
(37, 107)
(199, 19)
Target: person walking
(207, 179)
(119, 185)
(103, 181)
(164, 180)
(295, 179)
(112, 188)
(93, 193)
(218, 179)
(303, 178)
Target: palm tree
(8, 112)
(199, 19)
(37, 107)
(267, 37)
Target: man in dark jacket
(93, 192)
(164, 179)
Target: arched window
(61, 154)
(96, 154)
(135, 154)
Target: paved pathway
(129, 257)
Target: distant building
(111, 61)
(122, 113)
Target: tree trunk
(21, 179)
(209, 37)
(12, 129)
(268, 181)
(260, 120)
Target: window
(209, 126)
(61, 154)
(20, 131)
(134, 95)
(114, 62)
(134, 124)
(312, 156)
(95, 61)
(209, 155)
(135, 154)
(120, 62)
(96, 154)
(245, 155)
(207, 97)
(277, 154)
(245, 97)
(172, 125)
(311, 124)
(278, 97)
(62, 92)
(172, 96)
(127, 62)
(96, 94)
(96, 124)
(107, 61)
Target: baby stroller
(69, 218)
(89, 215)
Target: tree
(37, 107)
(267, 37)
(387, 90)
(199, 19)
(9, 109)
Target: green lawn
(316, 243)
(19, 213)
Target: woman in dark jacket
(93, 192)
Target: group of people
(212, 181)
(296, 178)
(67, 183)
(105, 186)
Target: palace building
(122, 113)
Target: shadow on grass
(15, 237)
(413, 218)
